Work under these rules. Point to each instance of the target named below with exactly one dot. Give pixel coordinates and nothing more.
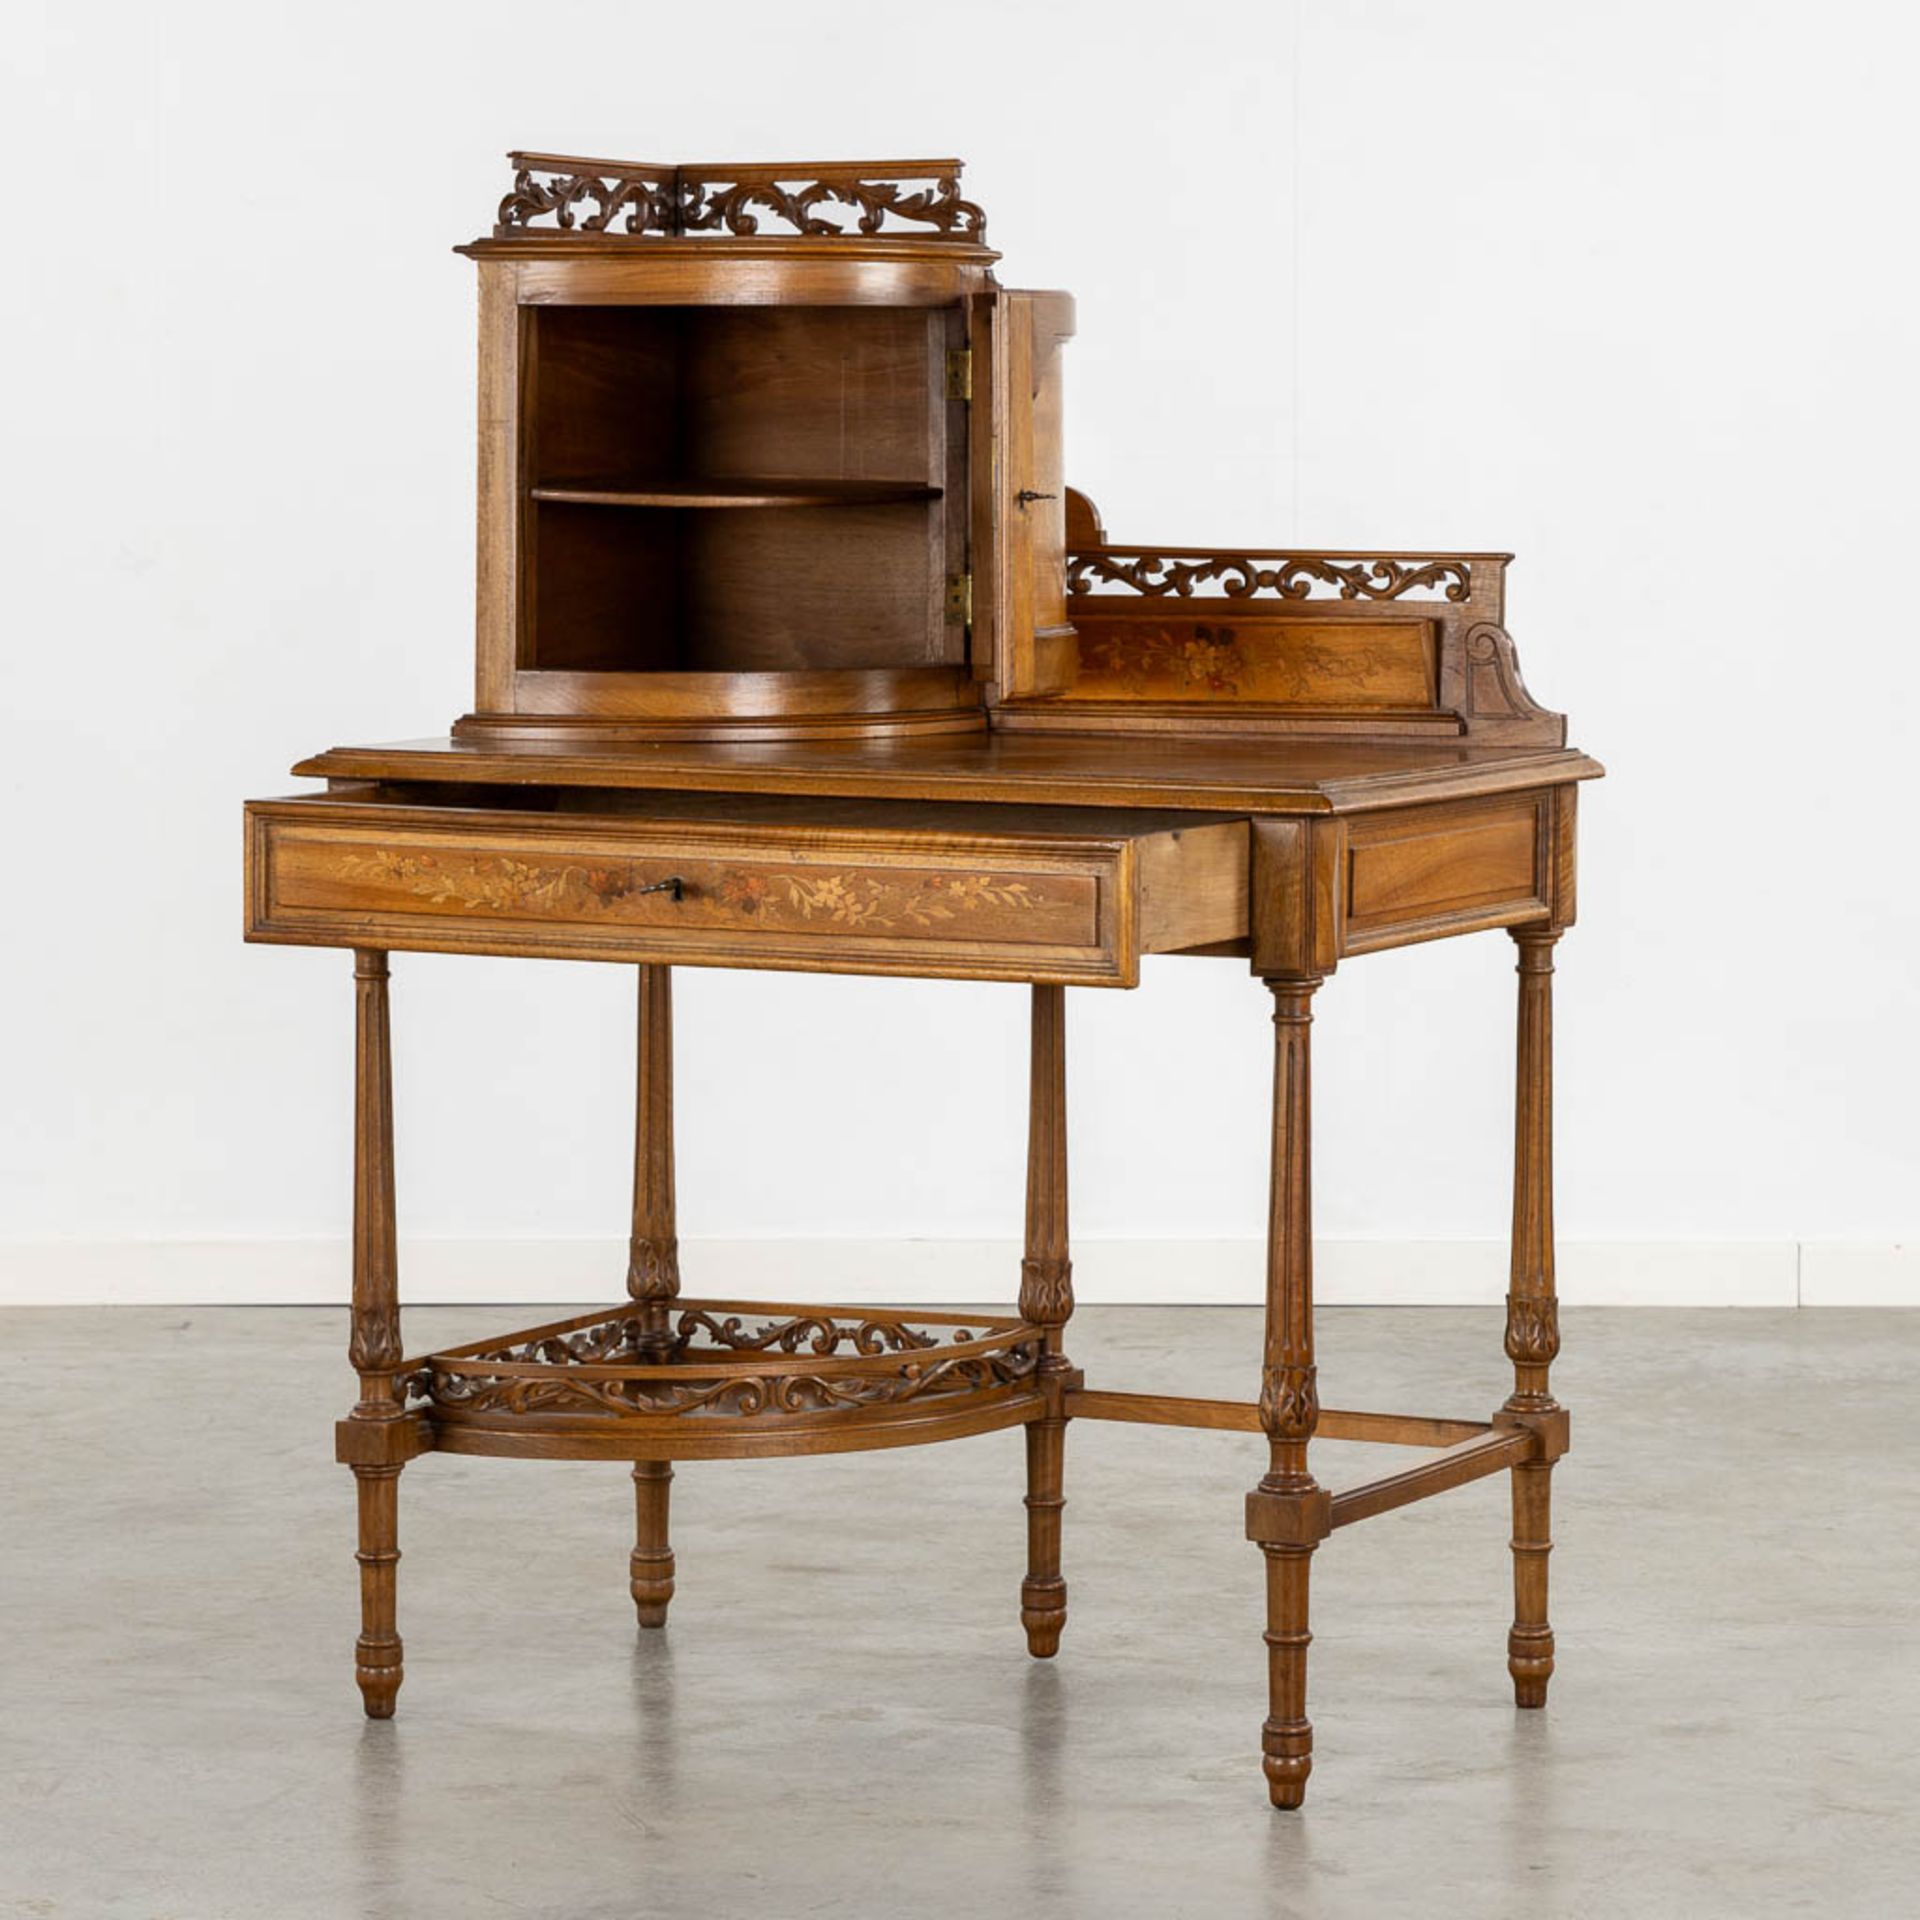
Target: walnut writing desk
(795, 651)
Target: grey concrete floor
(841, 1718)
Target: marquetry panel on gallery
(795, 650)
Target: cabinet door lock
(1027, 493)
(673, 885)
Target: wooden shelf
(733, 493)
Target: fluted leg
(1046, 1301)
(1533, 1330)
(1288, 1513)
(651, 1567)
(653, 1251)
(372, 1433)
(653, 1276)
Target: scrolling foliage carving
(604, 1366)
(1301, 576)
(739, 1396)
(635, 199)
(817, 1332)
(707, 207)
(647, 199)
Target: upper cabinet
(768, 452)
(763, 451)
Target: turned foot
(378, 1672)
(377, 1653)
(1043, 1612)
(1286, 1758)
(1530, 1643)
(651, 1566)
(1286, 1737)
(1043, 1594)
(1530, 1661)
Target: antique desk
(795, 651)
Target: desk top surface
(1215, 774)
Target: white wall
(1626, 290)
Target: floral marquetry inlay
(1199, 660)
(1259, 659)
(878, 899)
(864, 899)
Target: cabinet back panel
(821, 588)
(845, 393)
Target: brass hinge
(960, 373)
(960, 598)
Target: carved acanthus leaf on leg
(1046, 1291)
(1533, 1329)
(1290, 1403)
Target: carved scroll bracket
(1480, 680)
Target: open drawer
(982, 892)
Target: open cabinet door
(1022, 642)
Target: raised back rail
(1369, 643)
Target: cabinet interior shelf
(733, 493)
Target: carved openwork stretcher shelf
(727, 1378)
(794, 650)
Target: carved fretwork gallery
(795, 651)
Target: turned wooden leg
(375, 1426)
(653, 1277)
(1046, 1301)
(1289, 1513)
(1533, 1330)
(651, 1567)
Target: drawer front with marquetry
(829, 896)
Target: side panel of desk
(1327, 888)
